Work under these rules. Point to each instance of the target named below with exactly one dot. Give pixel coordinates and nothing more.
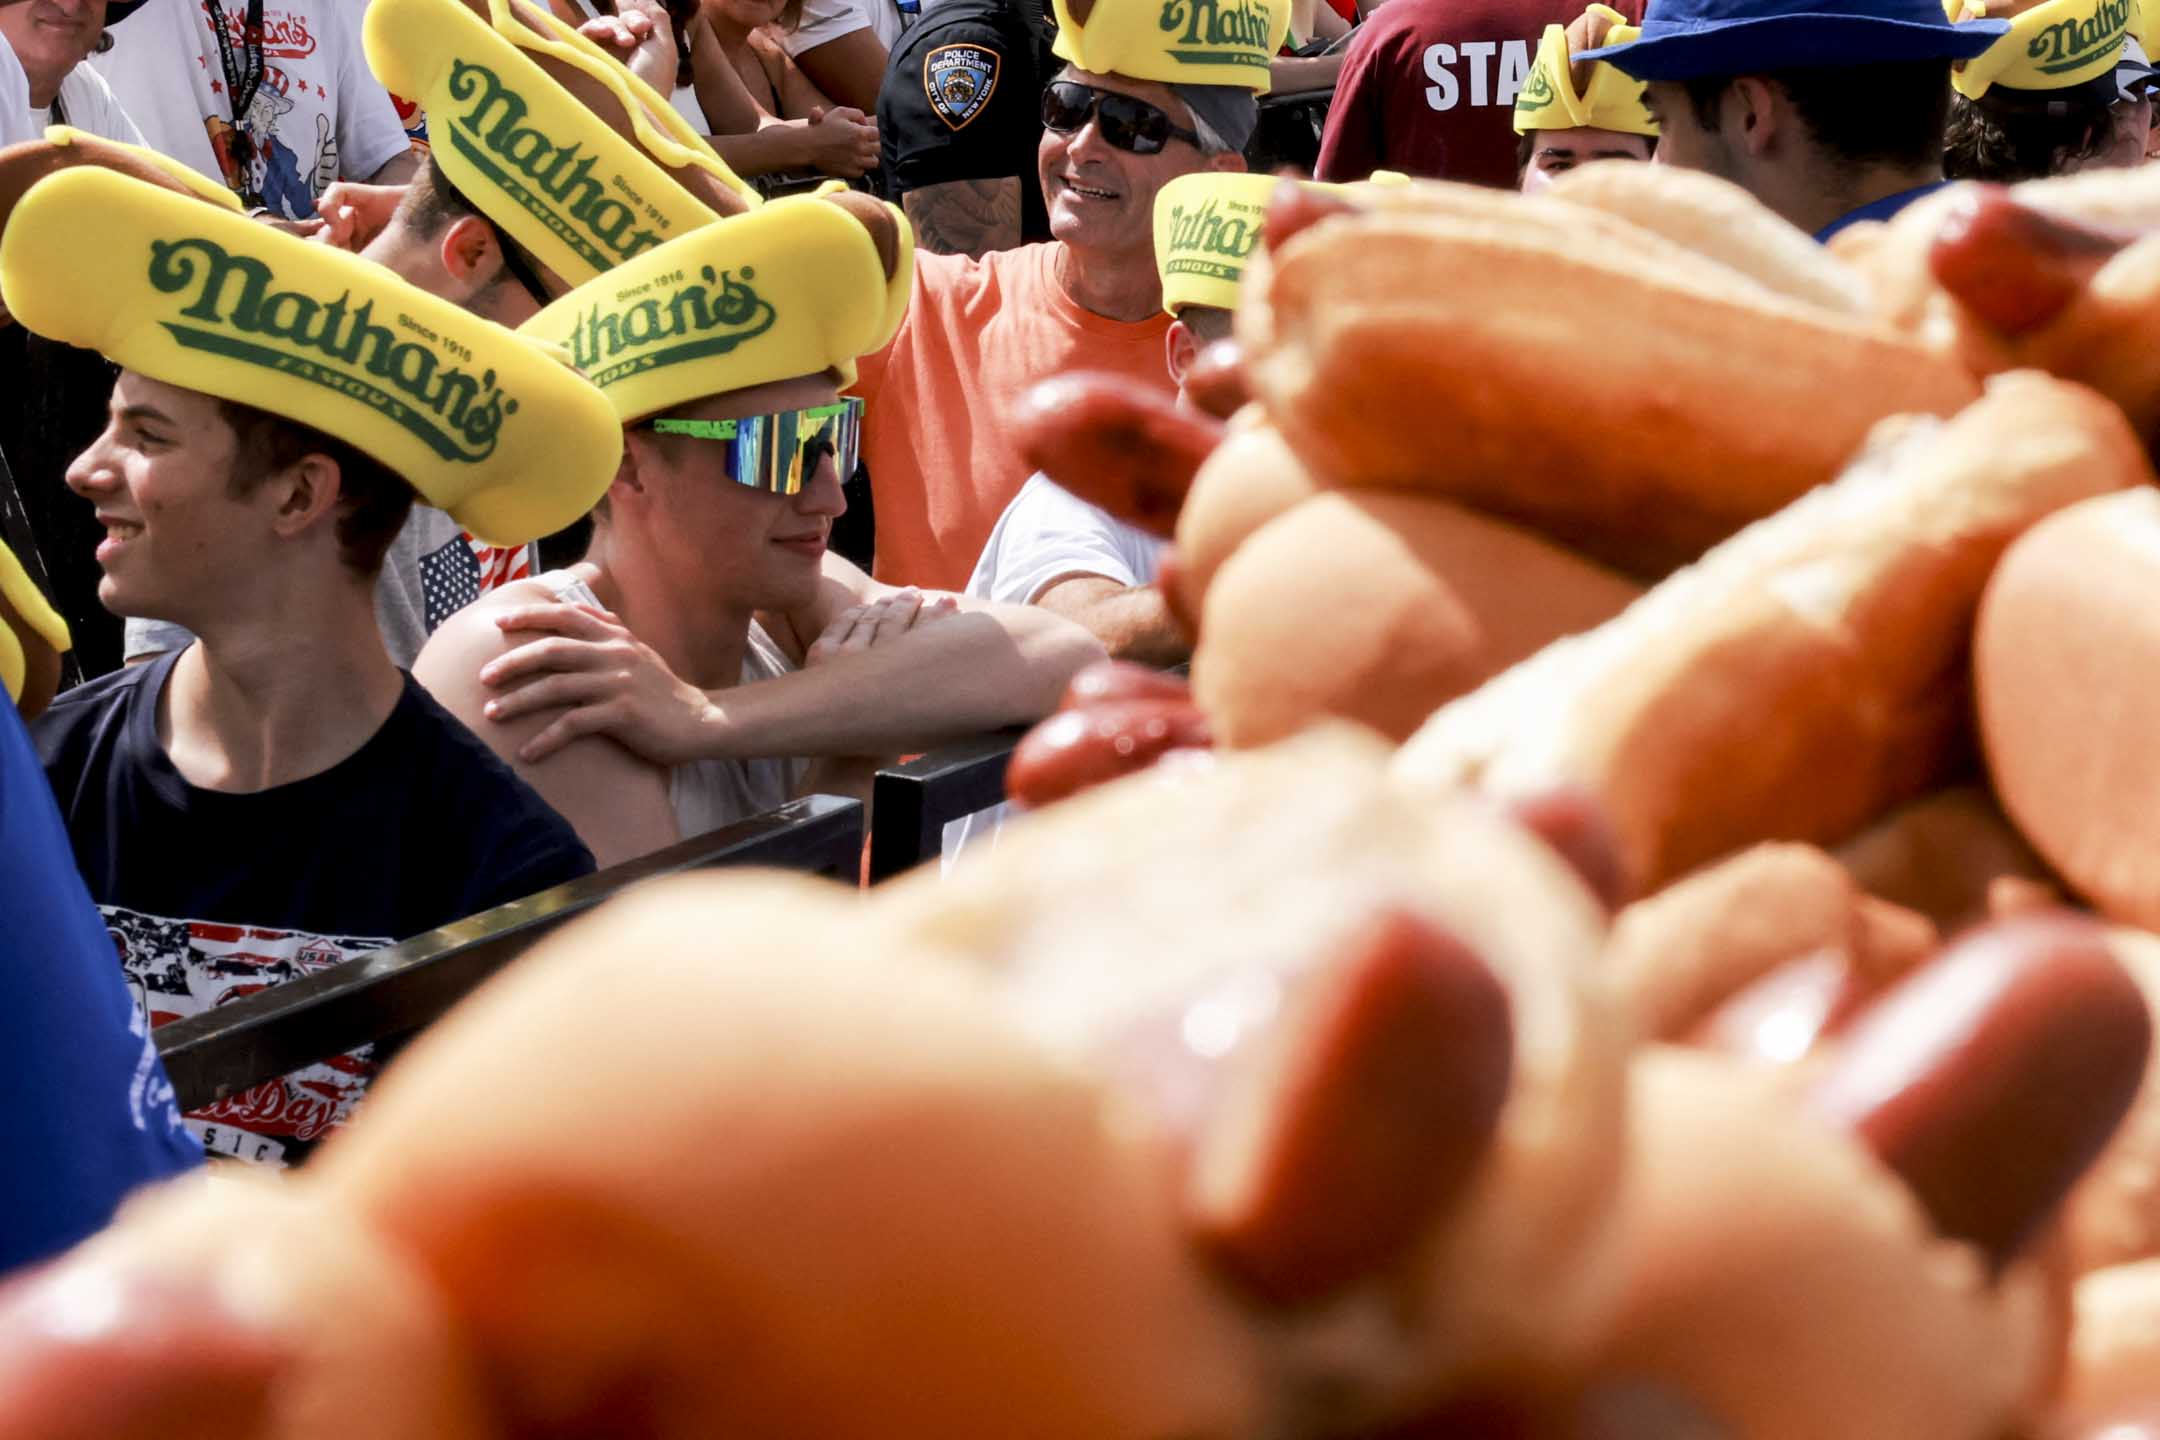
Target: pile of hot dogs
(1711, 1004)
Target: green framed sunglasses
(780, 451)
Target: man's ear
(303, 494)
(1180, 349)
(1228, 160)
(470, 255)
(1758, 113)
(629, 476)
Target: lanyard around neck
(243, 78)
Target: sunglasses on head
(1121, 120)
(779, 452)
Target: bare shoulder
(616, 801)
(449, 664)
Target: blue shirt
(86, 1113)
(1881, 209)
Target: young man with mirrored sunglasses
(709, 657)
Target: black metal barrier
(393, 992)
(911, 804)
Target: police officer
(960, 121)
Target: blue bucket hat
(1689, 39)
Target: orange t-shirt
(943, 465)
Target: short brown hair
(373, 500)
(1206, 322)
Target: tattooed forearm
(965, 217)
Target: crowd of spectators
(342, 710)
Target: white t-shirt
(317, 117)
(16, 125)
(86, 102)
(824, 20)
(1048, 533)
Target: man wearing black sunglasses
(1148, 93)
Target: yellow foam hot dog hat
(483, 423)
(23, 165)
(796, 287)
(67, 137)
(1612, 100)
(2051, 46)
(1207, 226)
(1179, 42)
(526, 151)
(44, 622)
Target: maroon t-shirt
(1429, 86)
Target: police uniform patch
(958, 81)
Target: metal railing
(911, 804)
(393, 992)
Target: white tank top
(706, 794)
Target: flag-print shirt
(211, 896)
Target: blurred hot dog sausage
(1131, 451)
(1076, 749)
(1990, 1079)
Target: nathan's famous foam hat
(95, 149)
(1207, 226)
(64, 148)
(1612, 100)
(488, 425)
(1178, 42)
(2053, 45)
(1693, 39)
(18, 592)
(796, 287)
(528, 153)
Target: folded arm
(979, 667)
(616, 801)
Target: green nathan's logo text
(1234, 33)
(699, 319)
(551, 180)
(1538, 92)
(1204, 230)
(2073, 44)
(332, 343)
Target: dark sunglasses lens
(1133, 124)
(1122, 121)
(1065, 106)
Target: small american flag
(463, 570)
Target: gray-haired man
(1149, 92)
